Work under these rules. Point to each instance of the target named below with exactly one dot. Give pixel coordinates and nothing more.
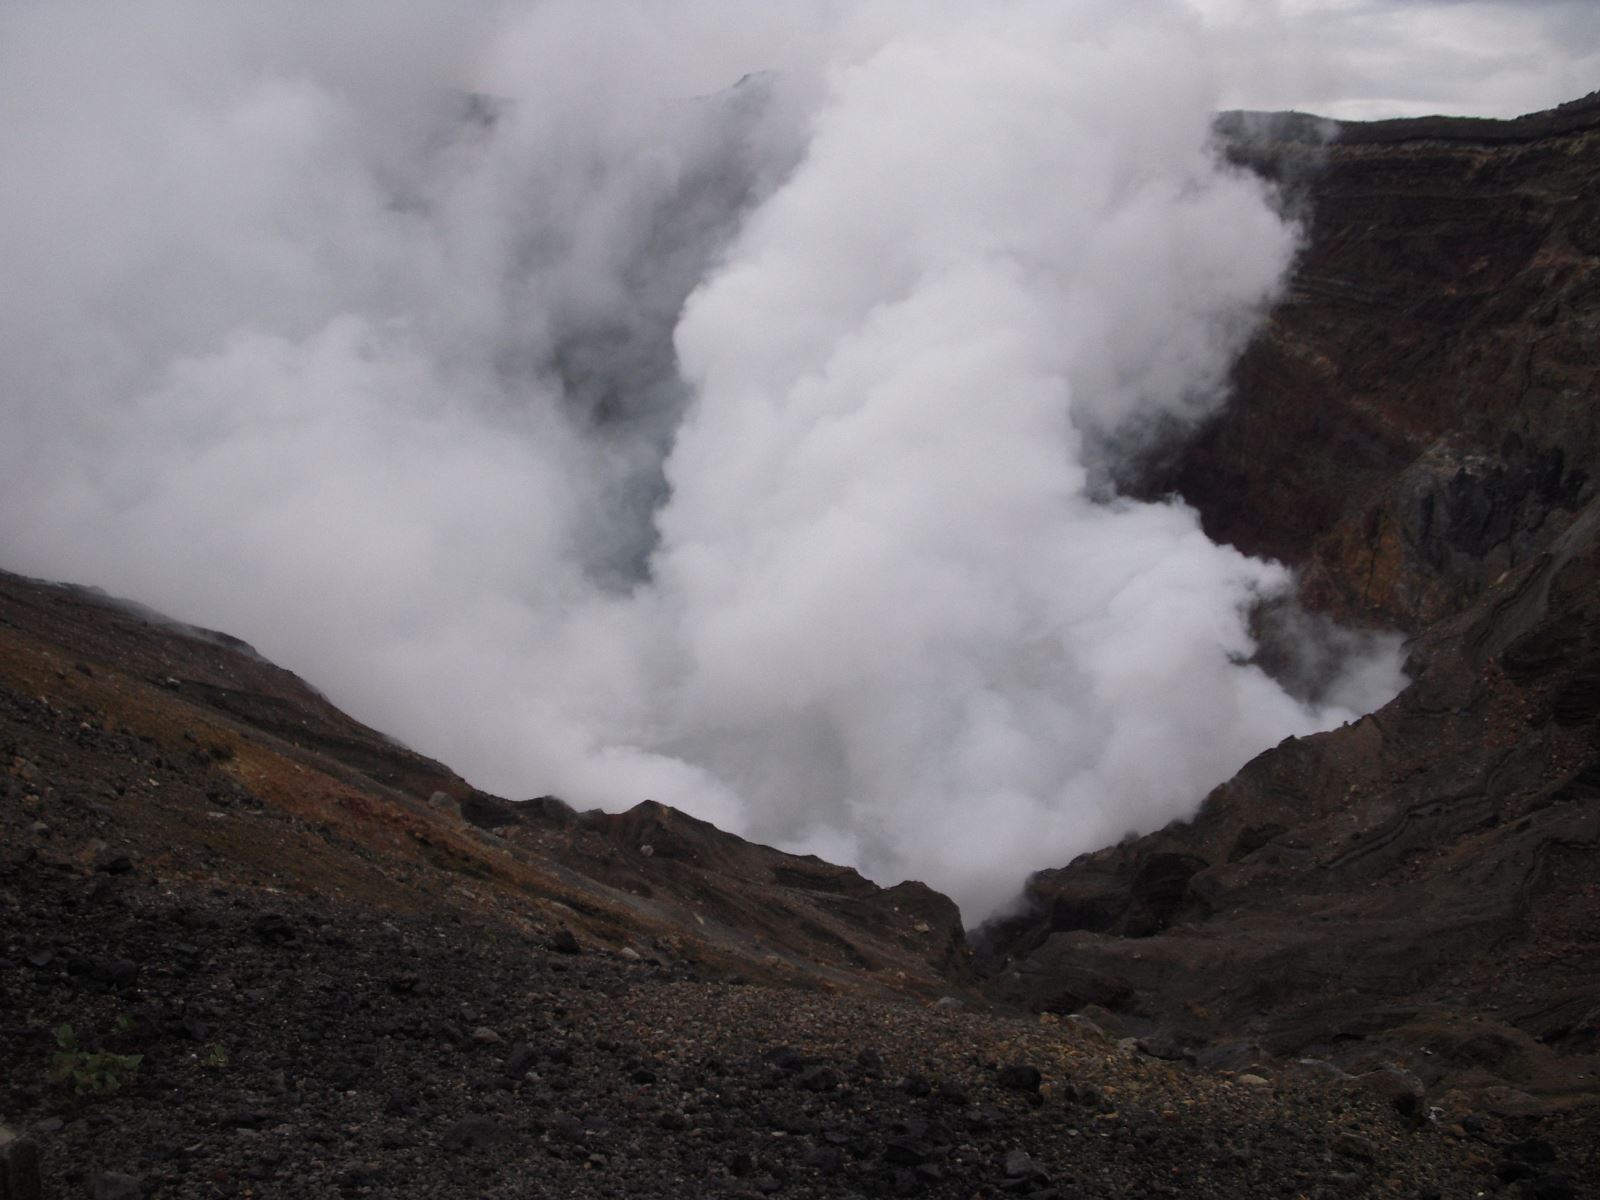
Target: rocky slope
(321, 1049)
(1417, 430)
(198, 755)
(251, 948)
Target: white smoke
(699, 402)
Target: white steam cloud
(702, 402)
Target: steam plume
(705, 403)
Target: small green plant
(215, 1057)
(90, 1072)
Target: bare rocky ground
(234, 965)
(292, 1047)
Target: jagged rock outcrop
(798, 905)
(1418, 428)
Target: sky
(1369, 59)
(722, 413)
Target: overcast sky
(1381, 58)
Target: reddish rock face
(1419, 414)
(1418, 429)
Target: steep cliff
(1417, 429)
(1419, 413)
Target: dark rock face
(1418, 416)
(1418, 429)
(1426, 879)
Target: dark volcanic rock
(112, 1186)
(520, 1061)
(473, 1133)
(490, 812)
(813, 910)
(1020, 1077)
(1418, 415)
(1427, 878)
(565, 942)
(1417, 428)
(274, 929)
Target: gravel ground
(222, 975)
(291, 1048)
